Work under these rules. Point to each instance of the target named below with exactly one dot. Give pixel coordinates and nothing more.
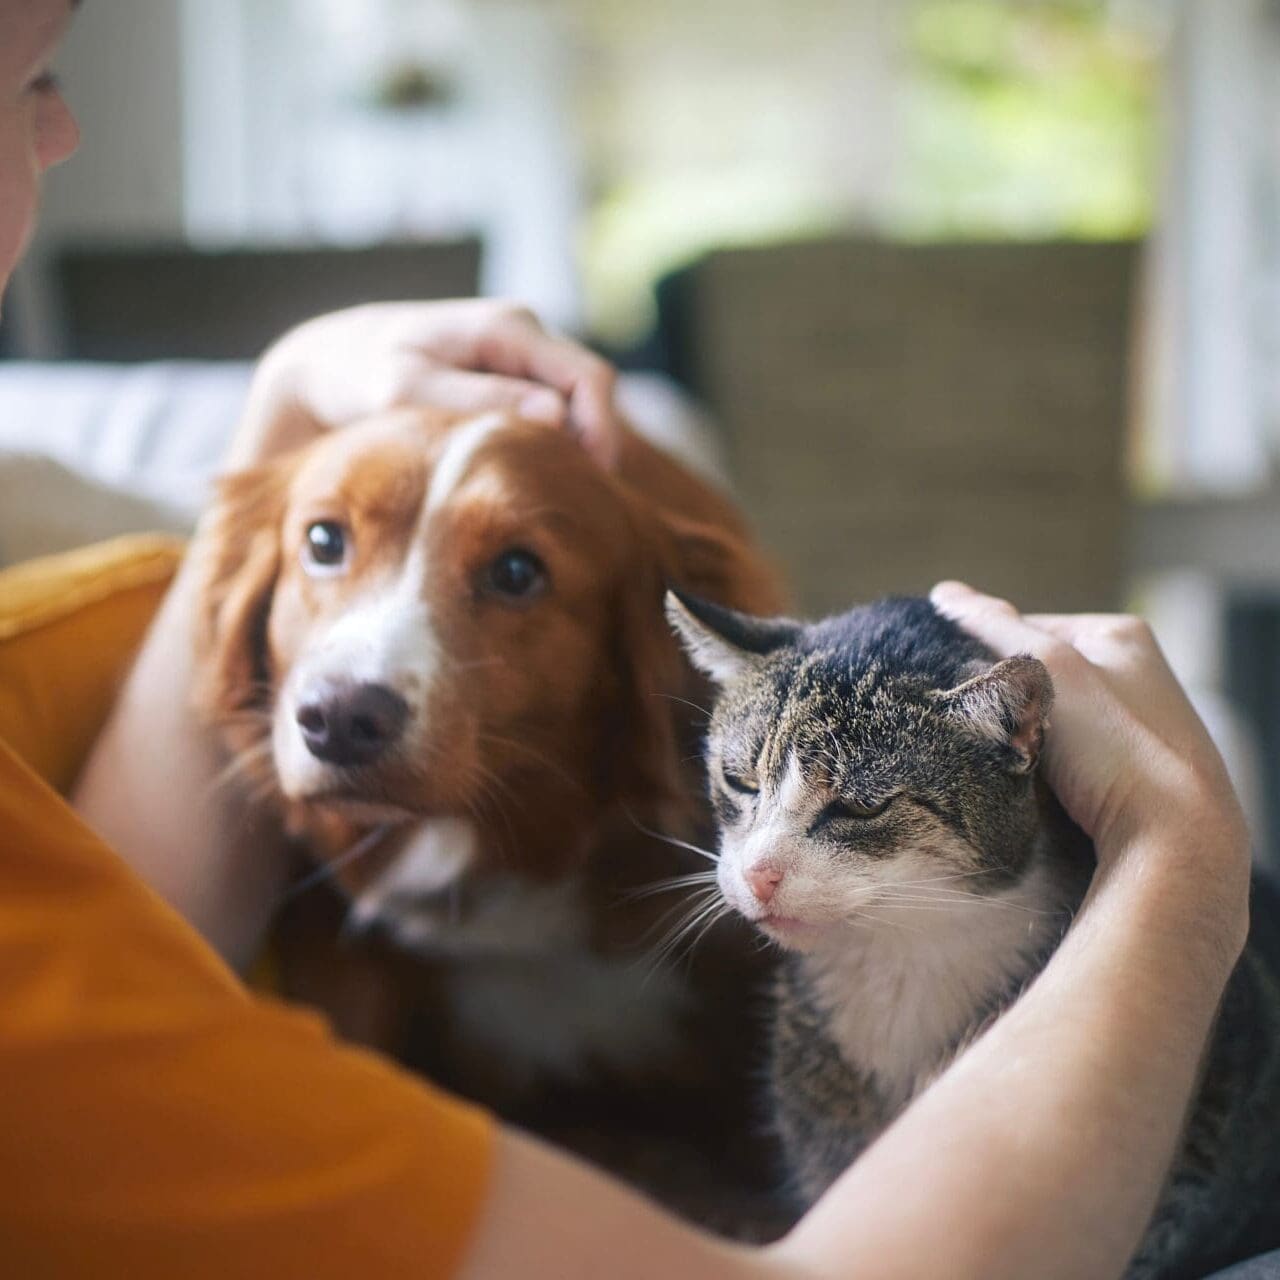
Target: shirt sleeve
(156, 1120)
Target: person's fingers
(503, 338)
(1123, 647)
(993, 621)
(1003, 629)
(1106, 634)
(1127, 654)
(404, 351)
(462, 391)
(514, 347)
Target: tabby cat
(874, 781)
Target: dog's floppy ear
(719, 566)
(239, 547)
(661, 690)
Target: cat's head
(866, 768)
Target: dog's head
(452, 631)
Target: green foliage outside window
(1002, 119)
(1025, 119)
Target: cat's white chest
(900, 994)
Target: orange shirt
(157, 1119)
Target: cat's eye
(736, 782)
(854, 811)
(327, 548)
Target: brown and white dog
(437, 647)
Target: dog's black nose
(351, 724)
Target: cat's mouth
(789, 930)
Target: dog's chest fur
(527, 989)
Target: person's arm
(222, 1135)
(1041, 1151)
(151, 785)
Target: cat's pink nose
(763, 880)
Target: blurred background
(985, 288)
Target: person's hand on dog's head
(1126, 754)
(467, 356)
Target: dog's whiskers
(535, 755)
(327, 870)
(241, 763)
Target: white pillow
(89, 451)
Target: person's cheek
(17, 191)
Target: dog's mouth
(362, 809)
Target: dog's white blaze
(440, 851)
(464, 443)
(386, 638)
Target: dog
(436, 647)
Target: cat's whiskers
(958, 898)
(672, 883)
(671, 840)
(706, 908)
(899, 903)
(705, 712)
(955, 875)
(712, 921)
(867, 918)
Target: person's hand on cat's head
(1126, 753)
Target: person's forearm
(151, 788)
(1040, 1152)
(1043, 1150)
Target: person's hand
(468, 356)
(1126, 754)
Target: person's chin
(15, 239)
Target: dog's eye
(326, 545)
(516, 574)
(736, 782)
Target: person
(157, 1119)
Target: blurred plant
(641, 230)
(1025, 118)
(411, 86)
(745, 122)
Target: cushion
(69, 626)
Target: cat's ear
(723, 643)
(1007, 704)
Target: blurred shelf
(1235, 539)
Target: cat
(874, 782)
